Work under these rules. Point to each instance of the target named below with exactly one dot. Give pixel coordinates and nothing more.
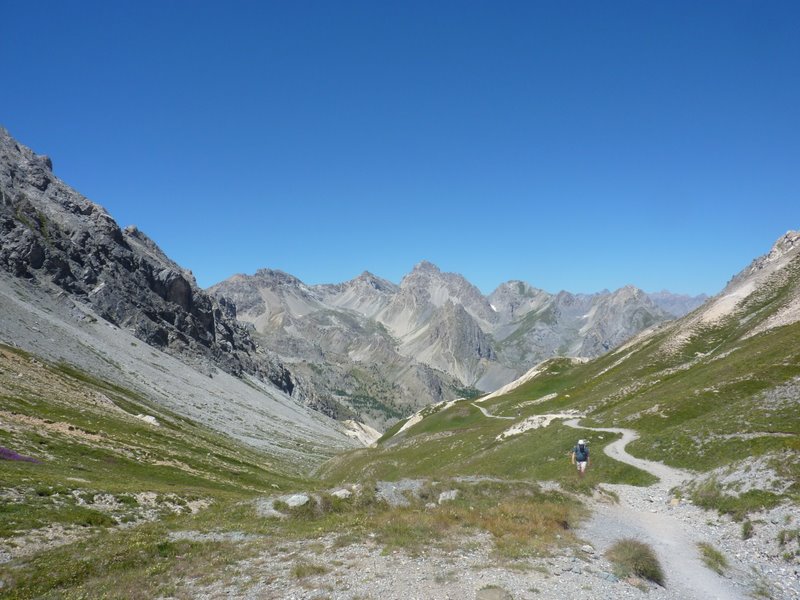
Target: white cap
(581, 442)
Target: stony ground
(362, 570)
(467, 568)
(757, 567)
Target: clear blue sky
(575, 145)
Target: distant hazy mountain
(370, 343)
(676, 304)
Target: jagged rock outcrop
(52, 235)
(452, 341)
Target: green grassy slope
(104, 499)
(92, 491)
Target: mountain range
(379, 349)
(715, 392)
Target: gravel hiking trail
(489, 415)
(637, 516)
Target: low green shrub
(94, 518)
(634, 558)
(710, 495)
(301, 570)
(786, 536)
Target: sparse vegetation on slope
(460, 440)
(522, 519)
(722, 397)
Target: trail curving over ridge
(489, 415)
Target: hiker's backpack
(581, 455)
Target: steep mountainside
(52, 234)
(436, 331)
(66, 264)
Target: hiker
(580, 456)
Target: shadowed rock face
(52, 235)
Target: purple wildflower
(7, 454)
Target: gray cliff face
(616, 317)
(452, 341)
(53, 236)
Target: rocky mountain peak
(373, 281)
(277, 277)
(787, 243)
(630, 292)
(431, 286)
(516, 286)
(425, 266)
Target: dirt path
(669, 476)
(641, 514)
